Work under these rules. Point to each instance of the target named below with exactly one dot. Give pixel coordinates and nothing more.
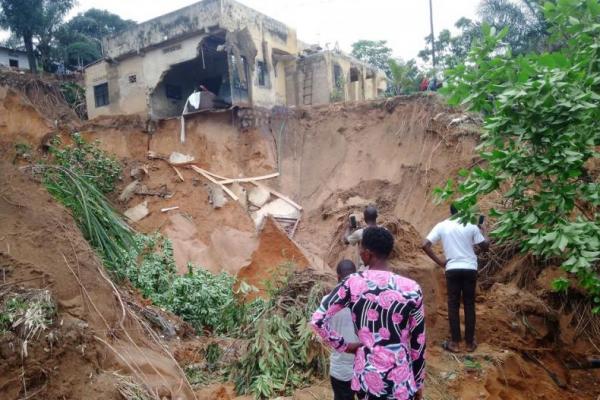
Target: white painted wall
(6, 55)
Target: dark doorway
(209, 69)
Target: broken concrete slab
(180, 159)
(258, 196)
(139, 172)
(216, 195)
(138, 212)
(277, 208)
(128, 192)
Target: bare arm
(426, 246)
(485, 245)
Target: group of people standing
(374, 319)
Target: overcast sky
(403, 23)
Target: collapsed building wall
(257, 59)
(130, 79)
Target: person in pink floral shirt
(388, 314)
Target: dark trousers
(341, 389)
(461, 281)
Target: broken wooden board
(281, 196)
(250, 179)
(208, 176)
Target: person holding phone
(353, 234)
(460, 263)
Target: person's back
(458, 241)
(388, 314)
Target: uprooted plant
(27, 313)
(283, 354)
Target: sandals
(471, 347)
(450, 347)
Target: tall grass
(100, 224)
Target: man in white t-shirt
(341, 364)
(458, 241)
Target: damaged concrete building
(231, 54)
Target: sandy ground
(333, 161)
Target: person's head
(345, 268)
(453, 209)
(370, 215)
(376, 245)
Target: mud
(333, 161)
(93, 334)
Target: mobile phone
(481, 219)
(352, 222)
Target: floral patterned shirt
(387, 310)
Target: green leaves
(541, 134)
(283, 352)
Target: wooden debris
(178, 173)
(167, 209)
(161, 191)
(281, 196)
(208, 176)
(250, 179)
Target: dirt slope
(333, 160)
(94, 336)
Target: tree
(31, 19)
(374, 52)
(524, 20)
(540, 140)
(17, 16)
(452, 50)
(79, 39)
(405, 76)
(52, 14)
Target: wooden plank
(169, 209)
(294, 228)
(213, 180)
(216, 176)
(281, 196)
(249, 179)
(178, 173)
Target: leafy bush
(88, 160)
(74, 95)
(203, 299)
(283, 353)
(541, 134)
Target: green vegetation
(283, 353)
(34, 21)
(37, 26)
(541, 136)
(74, 95)
(79, 178)
(26, 313)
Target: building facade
(244, 58)
(16, 59)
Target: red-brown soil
(333, 160)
